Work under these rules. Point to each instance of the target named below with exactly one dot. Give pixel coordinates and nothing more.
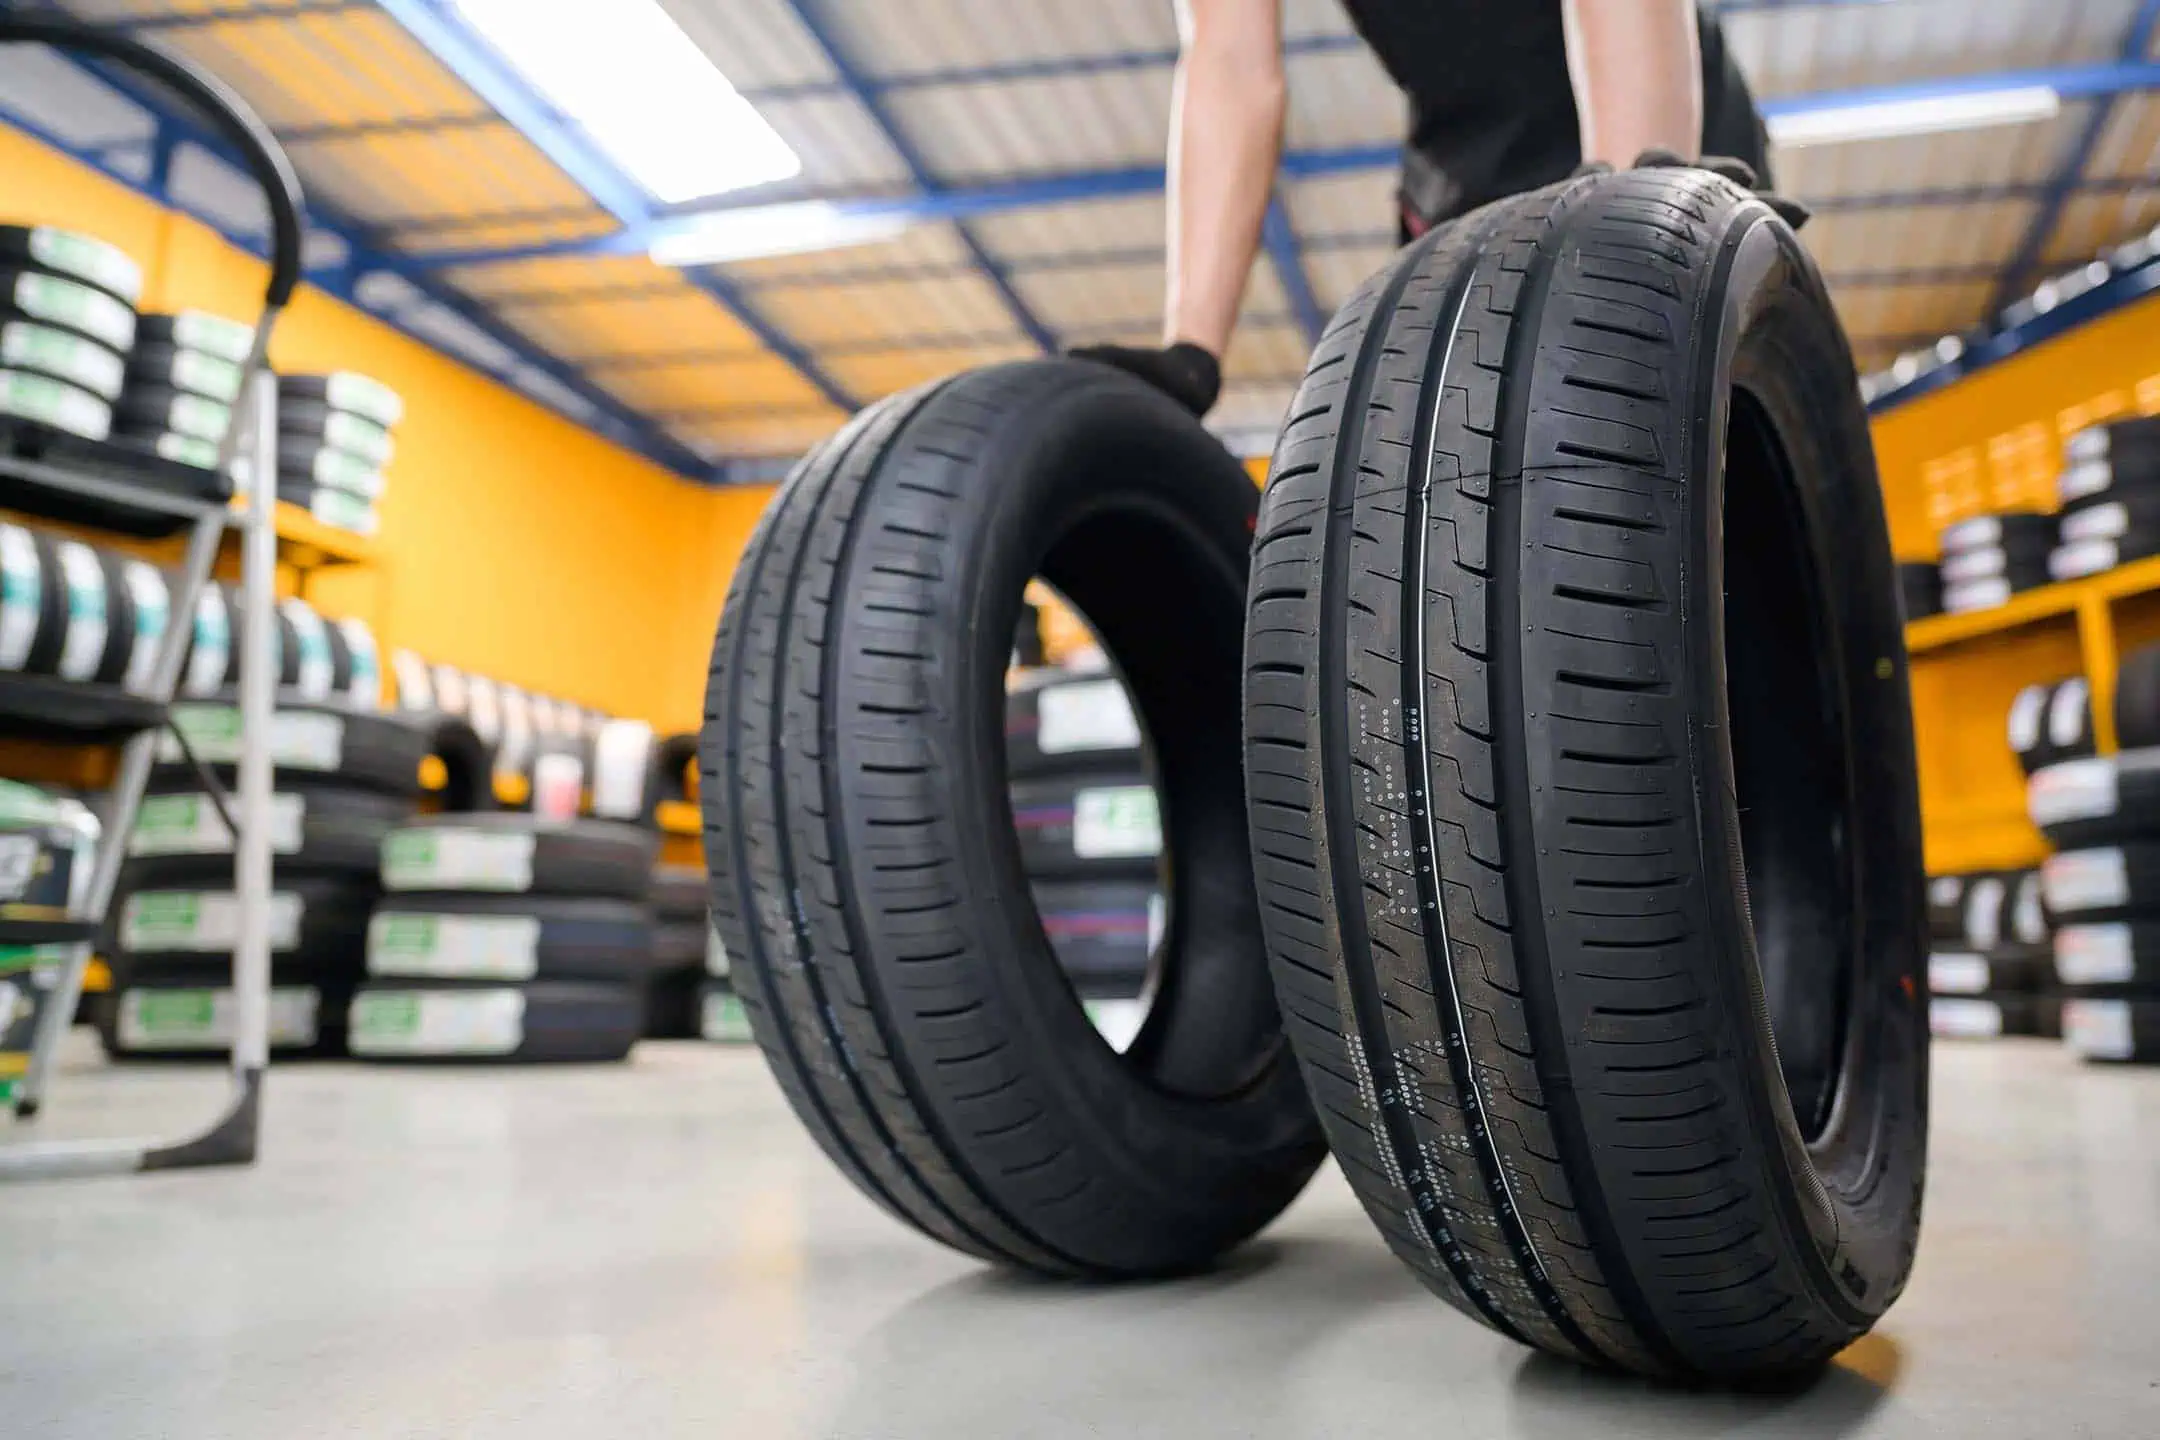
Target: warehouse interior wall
(514, 543)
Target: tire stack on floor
(675, 984)
(1988, 961)
(2103, 885)
(507, 938)
(333, 443)
(183, 381)
(67, 327)
(1090, 836)
(1989, 558)
(342, 779)
(2110, 490)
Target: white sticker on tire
(71, 357)
(1965, 1019)
(1966, 534)
(316, 665)
(190, 825)
(106, 265)
(2082, 558)
(437, 1022)
(2072, 790)
(205, 1019)
(208, 921)
(299, 739)
(2106, 521)
(1957, 972)
(2099, 1029)
(153, 607)
(226, 339)
(206, 375)
(78, 307)
(1944, 890)
(84, 644)
(716, 956)
(212, 649)
(1096, 715)
(2025, 715)
(22, 596)
(2028, 918)
(1116, 822)
(1980, 595)
(1981, 564)
(357, 436)
(1983, 912)
(2066, 712)
(723, 1019)
(447, 857)
(365, 689)
(2085, 880)
(2094, 955)
(462, 947)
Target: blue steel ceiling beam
(368, 130)
(484, 72)
(2137, 41)
(817, 20)
(1278, 237)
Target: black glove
(1184, 371)
(1727, 167)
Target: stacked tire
(342, 780)
(2110, 492)
(505, 938)
(1989, 962)
(70, 611)
(2103, 889)
(2051, 721)
(334, 440)
(1989, 558)
(67, 326)
(1090, 833)
(183, 381)
(675, 983)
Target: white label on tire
(437, 1022)
(1966, 534)
(22, 596)
(2099, 522)
(716, 956)
(2066, 711)
(2088, 477)
(1980, 595)
(723, 1019)
(190, 825)
(84, 644)
(299, 739)
(155, 921)
(93, 259)
(153, 609)
(462, 947)
(445, 857)
(357, 436)
(2025, 715)
(1983, 912)
(205, 1019)
(2085, 880)
(1957, 972)
(365, 691)
(2099, 1029)
(1115, 822)
(193, 415)
(315, 662)
(207, 660)
(2028, 919)
(2073, 790)
(71, 357)
(1093, 716)
(350, 390)
(1981, 564)
(18, 864)
(206, 374)
(2094, 955)
(77, 306)
(2085, 557)
(226, 339)
(1965, 1019)
(1945, 890)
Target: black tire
(345, 390)
(559, 1021)
(1102, 932)
(78, 256)
(2132, 511)
(316, 829)
(516, 854)
(508, 939)
(2069, 718)
(2108, 958)
(1508, 549)
(1979, 595)
(2119, 1031)
(2089, 482)
(1983, 1017)
(306, 462)
(341, 509)
(2137, 699)
(679, 892)
(679, 946)
(2001, 907)
(2023, 565)
(198, 330)
(158, 927)
(1920, 587)
(80, 622)
(2025, 533)
(2081, 803)
(1977, 972)
(1095, 825)
(2095, 557)
(50, 298)
(149, 409)
(1946, 906)
(43, 657)
(112, 662)
(339, 429)
(192, 372)
(185, 1013)
(674, 1005)
(1091, 719)
(2026, 727)
(866, 877)
(76, 359)
(2102, 882)
(210, 654)
(31, 395)
(310, 742)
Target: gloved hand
(1792, 212)
(1185, 372)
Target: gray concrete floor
(656, 1250)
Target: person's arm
(1225, 140)
(1637, 72)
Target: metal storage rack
(59, 482)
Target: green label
(165, 1012)
(165, 912)
(410, 850)
(169, 814)
(406, 937)
(724, 1019)
(206, 375)
(227, 339)
(92, 259)
(188, 450)
(385, 1014)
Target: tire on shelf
(2114, 1030)
(1977, 972)
(2081, 803)
(1983, 1017)
(854, 759)
(508, 939)
(178, 1012)
(1517, 777)
(2102, 882)
(1946, 906)
(679, 892)
(318, 923)
(315, 828)
(382, 753)
(511, 853)
(2137, 699)
(1059, 721)
(2109, 956)
(1100, 824)
(76, 359)
(441, 1020)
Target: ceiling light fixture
(766, 230)
(1925, 115)
(627, 75)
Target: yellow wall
(514, 543)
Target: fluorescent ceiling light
(1876, 120)
(627, 75)
(764, 230)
